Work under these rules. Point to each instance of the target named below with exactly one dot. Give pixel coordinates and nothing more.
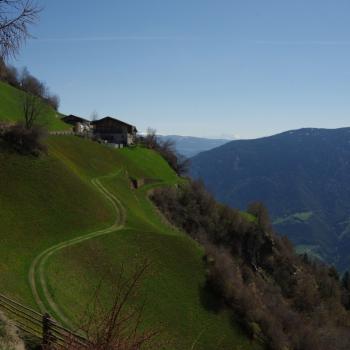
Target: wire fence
(51, 334)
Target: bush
(24, 141)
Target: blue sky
(198, 67)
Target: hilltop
(302, 176)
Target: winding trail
(36, 275)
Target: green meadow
(53, 199)
(48, 200)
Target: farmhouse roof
(76, 119)
(116, 120)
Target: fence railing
(51, 334)
(59, 133)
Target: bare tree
(3, 69)
(117, 327)
(94, 116)
(54, 101)
(32, 85)
(32, 108)
(167, 150)
(15, 18)
(150, 139)
(12, 76)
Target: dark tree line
(282, 299)
(28, 83)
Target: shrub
(25, 141)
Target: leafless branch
(32, 108)
(15, 18)
(119, 326)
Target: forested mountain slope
(302, 177)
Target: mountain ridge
(295, 172)
(190, 146)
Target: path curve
(36, 274)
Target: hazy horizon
(237, 137)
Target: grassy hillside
(11, 111)
(50, 200)
(42, 202)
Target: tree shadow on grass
(214, 303)
(210, 300)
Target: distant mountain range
(190, 146)
(302, 176)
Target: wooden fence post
(46, 332)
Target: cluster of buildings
(108, 129)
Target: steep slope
(46, 201)
(190, 146)
(11, 109)
(302, 176)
